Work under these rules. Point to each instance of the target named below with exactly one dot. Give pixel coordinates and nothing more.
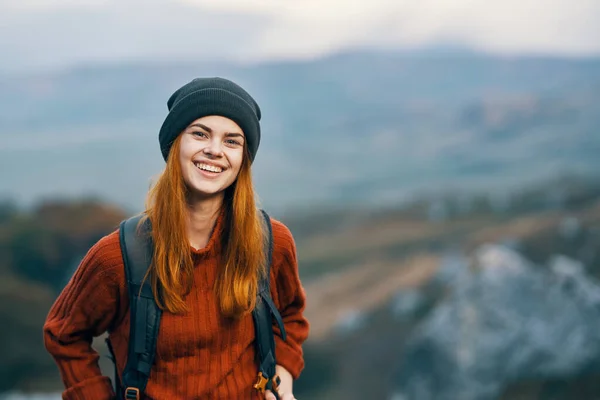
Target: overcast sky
(41, 34)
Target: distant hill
(362, 127)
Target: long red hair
(241, 262)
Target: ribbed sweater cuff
(97, 388)
(288, 357)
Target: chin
(205, 192)
(200, 188)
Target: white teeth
(207, 167)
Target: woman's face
(211, 153)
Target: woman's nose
(214, 148)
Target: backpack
(137, 251)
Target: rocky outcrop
(504, 320)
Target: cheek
(183, 150)
(187, 149)
(238, 163)
(236, 160)
(183, 165)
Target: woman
(207, 258)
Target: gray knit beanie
(210, 96)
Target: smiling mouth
(208, 168)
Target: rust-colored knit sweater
(200, 355)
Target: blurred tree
(39, 250)
(44, 244)
(8, 210)
(23, 308)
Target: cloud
(41, 34)
(39, 37)
(556, 26)
(47, 4)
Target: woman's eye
(233, 142)
(199, 134)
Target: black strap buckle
(132, 393)
(276, 382)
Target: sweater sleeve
(86, 308)
(290, 299)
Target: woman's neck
(202, 216)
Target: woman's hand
(282, 396)
(285, 385)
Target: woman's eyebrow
(199, 125)
(209, 130)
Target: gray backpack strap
(263, 315)
(137, 251)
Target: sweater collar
(214, 243)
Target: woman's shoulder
(282, 236)
(104, 256)
(284, 248)
(108, 246)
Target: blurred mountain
(361, 127)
